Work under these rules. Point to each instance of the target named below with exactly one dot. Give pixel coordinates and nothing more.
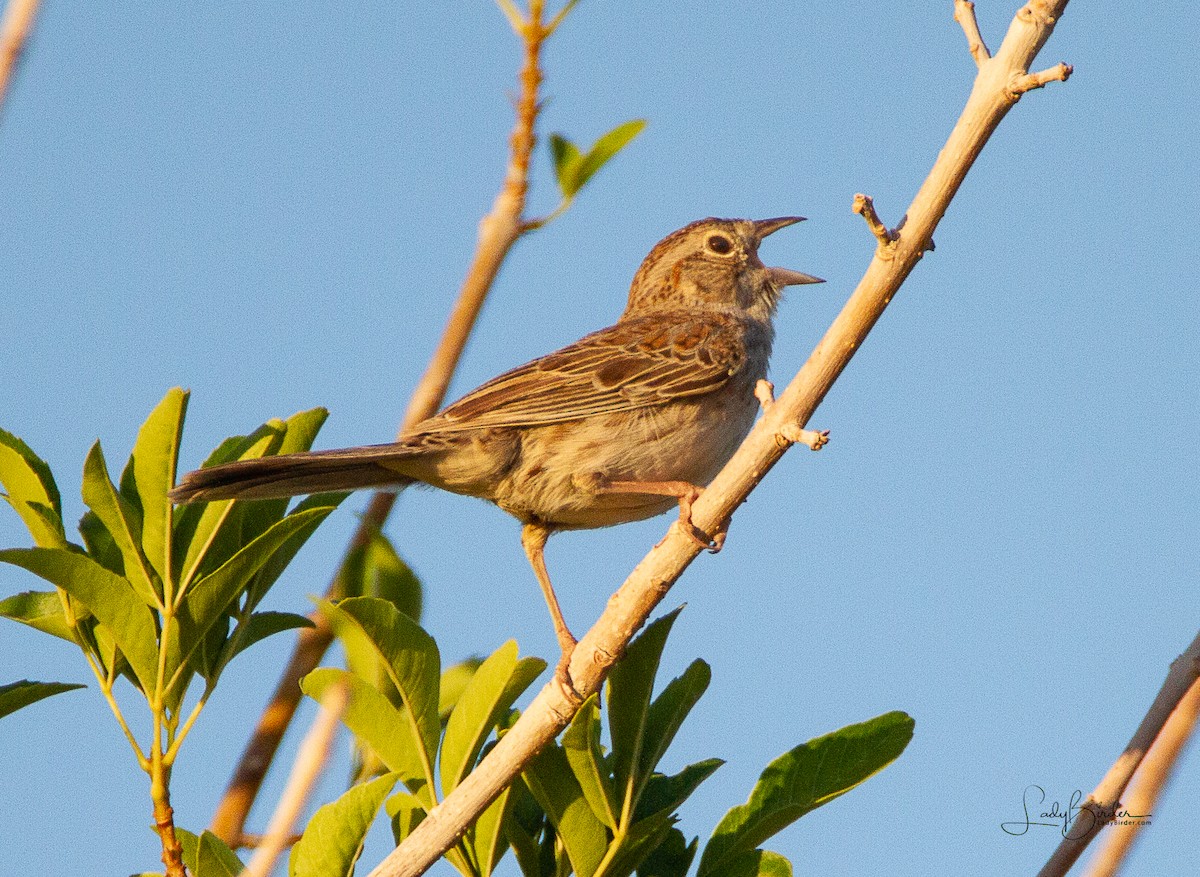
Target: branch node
(794, 434)
(1024, 82)
(864, 205)
(964, 14)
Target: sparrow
(620, 426)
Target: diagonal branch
(630, 606)
(498, 231)
(1103, 803)
(1151, 778)
(14, 33)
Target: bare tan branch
(307, 769)
(1060, 72)
(864, 205)
(498, 231)
(1105, 800)
(14, 33)
(964, 14)
(1147, 785)
(631, 605)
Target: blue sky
(273, 205)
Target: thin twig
(1147, 785)
(14, 33)
(964, 14)
(1060, 72)
(309, 765)
(498, 231)
(864, 205)
(631, 605)
(1103, 803)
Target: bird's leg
(533, 540)
(684, 491)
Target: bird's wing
(639, 362)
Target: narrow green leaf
(190, 844)
(30, 489)
(498, 682)
(410, 658)
(567, 159)
(453, 684)
(41, 610)
(99, 543)
(333, 840)
(406, 812)
(671, 858)
(373, 720)
(122, 523)
(486, 837)
(757, 863)
(523, 824)
(802, 780)
(214, 859)
(212, 532)
(668, 711)
(264, 624)
(604, 149)
(629, 687)
(664, 794)
(208, 599)
(16, 695)
(555, 788)
(375, 569)
(152, 464)
(109, 597)
(638, 843)
(581, 743)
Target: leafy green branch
(158, 596)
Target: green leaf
(668, 711)
(152, 468)
(410, 659)
(16, 695)
(637, 845)
(298, 433)
(30, 489)
(498, 682)
(664, 794)
(522, 824)
(671, 858)
(123, 524)
(100, 544)
(453, 684)
(757, 863)
(406, 812)
(333, 840)
(555, 788)
(802, 780)
(374, 721)
(209, 598)
(190, 844)
(486, 837)
(567, 159)
(264, 624)
(41, 610)
(109, 597)
(581, 743)
(214, 859)
(374, 569)
(574, 170)
(212, 531)
(629, 687)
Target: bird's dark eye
(719, 244)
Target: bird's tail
(296, 474)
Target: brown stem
(498, 231)
(1148, 784)
(164, 819)
(1102, 803)
(14, 33)
(649, 582)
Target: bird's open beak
(783, 276)
(788, 277)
